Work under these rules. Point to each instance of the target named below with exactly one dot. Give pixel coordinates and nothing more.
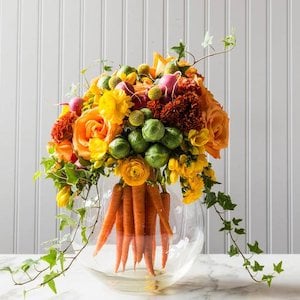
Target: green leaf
(246, 263)
(227, 226)
(210, 199)
(256, 267)
(83, 71)
(83, 235)
(49, 280)
(61, 258)
(278, 268)
(37, 175)
(48, 163)
(65, 221)
(107, 68)
(236, 221)
(27, 264)
(72, 177)
(50, 258)
(268, 279)
(81, 211)
(225, 201)
(233, 251)
(239, 231)
(254, 248)
(229, 41)
(179, 50)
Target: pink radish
(167, 82)
(126, 87)
(75, 104)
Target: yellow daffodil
(98, 148)
(210, 173)
(114, 106)
(198, 138)
(63, 196)
(134, 170)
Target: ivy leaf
(37, 175)
(179, 50)
(50, 258)
(225, 201)
(107, 68)
(27, 264)
(256, 267)
(49, 280)
(254, 248)
(65, 221)
(278, 268)
(83, 235)
(239, 231)
(210, 199)
(227, 226)
(246, 263)
(83, 71)
(207, 40)
(61, 258)
(229, 41)
(81, 211)
(236, 221)
(72, 176)
(48, 163)
(268, 279)
(233, 251)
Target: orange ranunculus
(217, 122)
(91, 125)
(134, 170)
(63, 150)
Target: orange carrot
(138, 197)
(110, 217)
(165, 197)
(150, 227)
(128, 224)
(155, 197)
(119, 236)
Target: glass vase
(186, 243)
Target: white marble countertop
(212, 277)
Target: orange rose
(217, 122)
(207, 98)
(91, 125)
(63, 150)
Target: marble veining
(211, 277)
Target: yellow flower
(191, 196)
(210, 173)
(134, 170)
(114, 106)
(63, 196)
(198, 138)
(98, 148)
(173, 176)
(65, 109)
(173, 164)
(194, 191)
(130, 78)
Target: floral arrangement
(151, 126)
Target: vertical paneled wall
(45, 44)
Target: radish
(126, 87)
(167, 82)
(75, 104)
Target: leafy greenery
(222, 203)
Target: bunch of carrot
(134, 210)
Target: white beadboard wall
(45, 44)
